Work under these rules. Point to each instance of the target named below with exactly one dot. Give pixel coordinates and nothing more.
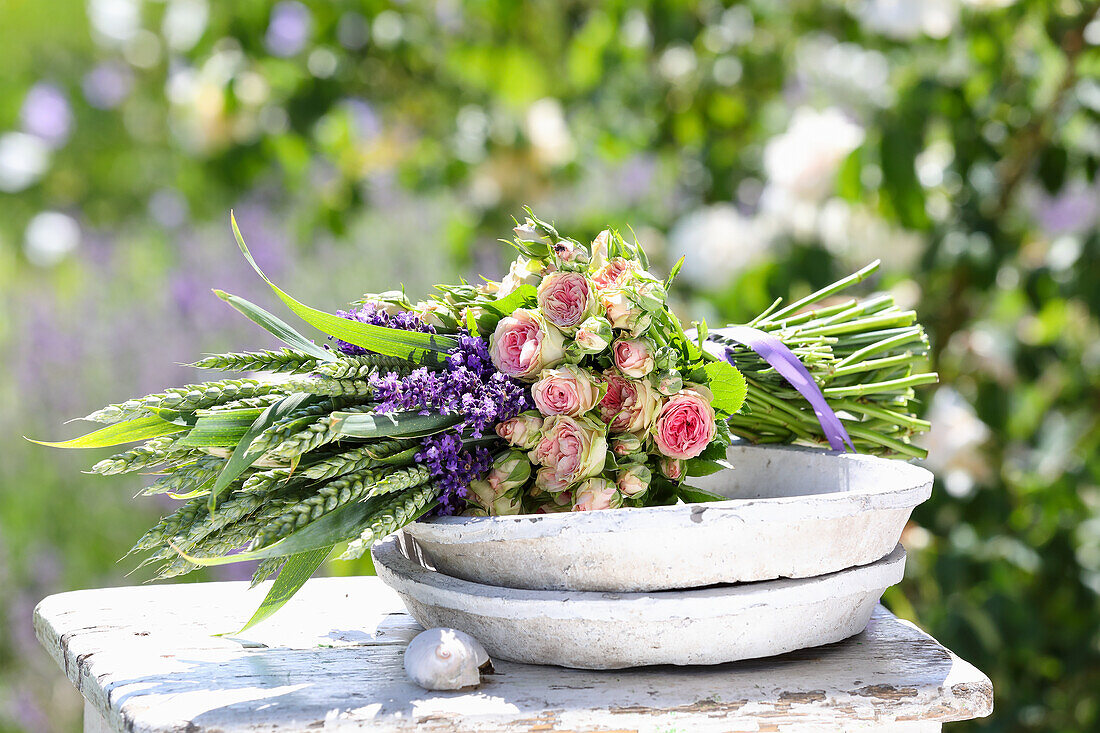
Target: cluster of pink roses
(612, 407)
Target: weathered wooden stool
(145, 660)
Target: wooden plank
(146, 660)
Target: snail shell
(445, 659)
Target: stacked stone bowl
(798, 556)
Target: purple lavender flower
(453, 466)
(372, 314)
(468, 385)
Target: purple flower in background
(364, 120)
(289, 28)
(107, 85)
(46, 114)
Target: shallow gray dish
(615, 630)
(793, 513)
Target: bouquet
(568, 385)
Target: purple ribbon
(772, 350)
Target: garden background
(778, 145)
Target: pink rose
(671, 468)
(629, 406)
(685, 424)
(623, 312)
(548, 480)
(567, 390)
(613, 272)
(574, 448)
(633, 357)
(522, 431)
(566, 299)
(524, 344)
(596, 493)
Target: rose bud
(521, 272)
(575, 448)
(666, 358)
(633, 480)
(596, 493)
(593, 335)
(481, 494)
(488, 287)
(633, 357)
(522, 431)
(626, 444)
(528, 231)
(624, 313)
(389, 302)
(435, 313)
(600, 247)
(671, 468)
(524, 344)
(507, 504)
(648, 293)
(570, 253)
(510, 470)
(628, 406)
(566, 299)
(669, 382)
(686, 423)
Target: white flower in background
(23, 160)
(114, 22)
(717, 241)
(988, 4)
(844, 72)
(49, 237)
(802, 162)
(907, 19)
(184, 23)
(954, 442)
(548, 132)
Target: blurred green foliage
(777, 145)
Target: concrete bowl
(591, 630)
(792, 513)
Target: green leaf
(412, 345)
(521, 297)
(675, 271)
(276, 327)
(297, 570)
(142, 428)
(700, 467)
(728, 386)
(223, 428)
(242, 458)
(692, 495)
(391, 425)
